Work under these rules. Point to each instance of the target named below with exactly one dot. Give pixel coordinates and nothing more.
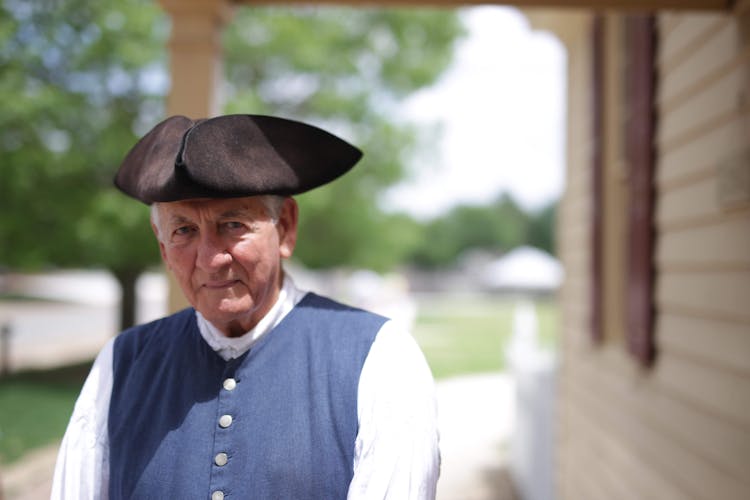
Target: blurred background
(555, 201)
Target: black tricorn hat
(231, 156)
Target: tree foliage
(80, 83)
(76, 88)
(499, 226)
(345, 69)
(541, 229)
(81, 80)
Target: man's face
(226, 256)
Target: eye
(182, 233)
(233, 227)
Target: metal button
(221, 459)
(217, 495)
(230, 384)
(225, 421)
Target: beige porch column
(195, 55)
(195, 70)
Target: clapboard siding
(609, 483)
(726, 348)
(703, 251)
(601, 448)
(575, 210)
(680, 430)
(708, 56)
(722, 393)
(707, 105)
(642, 413)
(576, 260)
(699, 157)
(668, 22)
(657, 446)
(688, 201)
(605, 448)
(571, 243)
(715, 293)
(570, 251)
(725, 447)
(577, 184)
(705, 242)
(680, 33)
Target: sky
(500, 109)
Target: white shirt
(396, 453)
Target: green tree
(498, 226)
(78, 88)
(346, 69)
(541, 231)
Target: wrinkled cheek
(188, 288)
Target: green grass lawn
(468, 334)
(35, 407)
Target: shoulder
(395, 351)
(133, 340)
(319, 305)
(331, 330)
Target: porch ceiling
(595, 4)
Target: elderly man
(259, 390)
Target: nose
(212, 254)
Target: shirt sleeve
(82, 469)
(396, 453)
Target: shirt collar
(233, 347)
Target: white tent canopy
(524, 268)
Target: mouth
(220, 284)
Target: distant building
(523, 269)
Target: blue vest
(279, 422)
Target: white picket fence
(532, 442)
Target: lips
(220, 284)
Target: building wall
(680, 429)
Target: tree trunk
(127, 279)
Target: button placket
(225, 421)
(221, 459)
(222, 446)
(229, 384)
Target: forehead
(212, 208)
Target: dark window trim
(597, 179)
(640, 132)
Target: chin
(234, 307)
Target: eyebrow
(238, 212)
(179, 219)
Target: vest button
(225, 421)
(221, 460)
(217, 495)
(230, 384)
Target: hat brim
(232, 156)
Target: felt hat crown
(231, 156)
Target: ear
(287, 227)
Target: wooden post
(195, 55)
(195, 69)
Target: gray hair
(271, 202)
